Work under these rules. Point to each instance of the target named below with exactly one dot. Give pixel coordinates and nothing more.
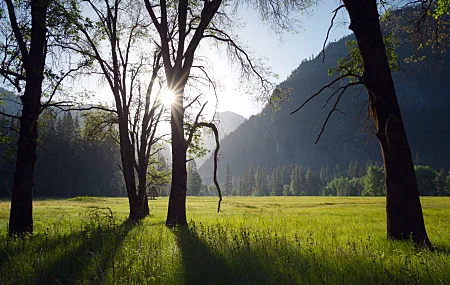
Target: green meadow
(264, 240)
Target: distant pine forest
(76, 160)
(332, 180)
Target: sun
(168, 97)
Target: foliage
(352, 64)
(374, 184)
(73, 160)
(194, 182)
(426, 179)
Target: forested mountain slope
(227, 123)
(273, 139)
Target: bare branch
(335, 11)
(323, 88)
(216, 152)
(9, 115)
(16, 30)
(195, 126)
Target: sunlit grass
(264, 240)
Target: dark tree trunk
(21, 215)
(138, 201)
(176, 214)
(403, 208)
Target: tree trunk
(403, 208)
(176, 214)
(21, 214)
(126, 155)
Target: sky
(283, 54)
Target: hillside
(273, 138)
(227, 123)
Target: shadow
(91, 259)
(215, 255)
(84, 256)
(236, 259)
(201, 265)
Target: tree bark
(176, 214)
(21, 214)
(138, 200)
(403, 208)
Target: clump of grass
(277, 241)
(85, 199)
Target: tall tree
(28, 31)
(295, 181)
(181, 27)
(194, 182)
(228, 180)
(112, 40)
(261, 184)
(403, 208)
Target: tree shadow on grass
(79, 257)
(207, 261)
(201, 265)
(214, 255)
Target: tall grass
(278, 240)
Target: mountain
(228, 122)
(9, 103)
(274, 138)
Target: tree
(228, 180)
(295, 187)
(261, 185)
(403, 208)
(121, 28)
(337, 187)
(181, 26)
(440, 183)
(426, 180)
(310, 183)
(194, 182)
(29, 31)
(374, 182)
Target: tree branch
(335, 11)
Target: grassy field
(273, 240)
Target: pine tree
(309, 183)
(251, 179)
(286, 175)
(261, 182)
(228, 180)
(194, 182)
(295, 187)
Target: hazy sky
(282, 52)
(282, 56)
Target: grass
(264, 240)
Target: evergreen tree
(261, 187)
(440, 182)
(277, 183)
(250, 180)
(286, 175)
(228, 180)
(194, 182)
(295, 187)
